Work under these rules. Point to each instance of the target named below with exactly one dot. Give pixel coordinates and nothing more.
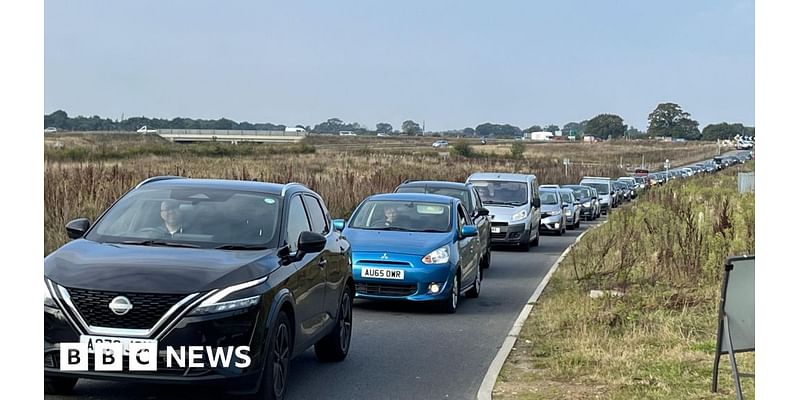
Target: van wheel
(525, 243)
(536, 241)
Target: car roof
(431, 198)
(437, 184)
(500, 176)
(273, 188)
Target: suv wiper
(151, 242)
(233, 246)
(394, 228)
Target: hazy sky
(453, 64)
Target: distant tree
(575, 128)
(58, 119)
(687, 129)
(383, 127)
(469, 132)
(490, 129)
(534, 128)
(668, 119)
(725, 131)
(605, 126)
(332, 125)
(410, 127)
(551, 128)
(633, 133)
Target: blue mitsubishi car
(414, 247)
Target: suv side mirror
(77, 227)
(482, 212)
(311, 242)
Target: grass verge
(656, 341)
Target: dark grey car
(469, 198)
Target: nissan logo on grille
(120, 305)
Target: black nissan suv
(195, 262)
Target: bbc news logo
(144, 356)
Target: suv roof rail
(287, 184)
(158, 178)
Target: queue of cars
(225, 264)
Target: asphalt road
(398, 350)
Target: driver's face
(171, 214)
(390, 214)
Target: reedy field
(84, 174)
(657, 341)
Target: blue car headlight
(438, 256)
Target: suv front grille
(147, 308)
(386, 289)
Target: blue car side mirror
(338, 224)
(469, 230)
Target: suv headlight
(48, 297)
(519, 216)
(438, 256)
(587, 204)
(214, 305)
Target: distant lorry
(294, 130)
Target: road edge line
(489, 380)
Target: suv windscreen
(502, 192)
(602, 188)
(395, 215)
(191, 217)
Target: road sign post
(666, 167)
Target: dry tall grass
(343, 177)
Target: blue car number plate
(382, 273)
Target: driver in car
(173, 218)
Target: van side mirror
(481, 212)
(77, 227)
(537, 202)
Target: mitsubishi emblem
(385, 256)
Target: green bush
(463, 149)
(517, 150)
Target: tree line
(666, 120)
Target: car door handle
(322, 263)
